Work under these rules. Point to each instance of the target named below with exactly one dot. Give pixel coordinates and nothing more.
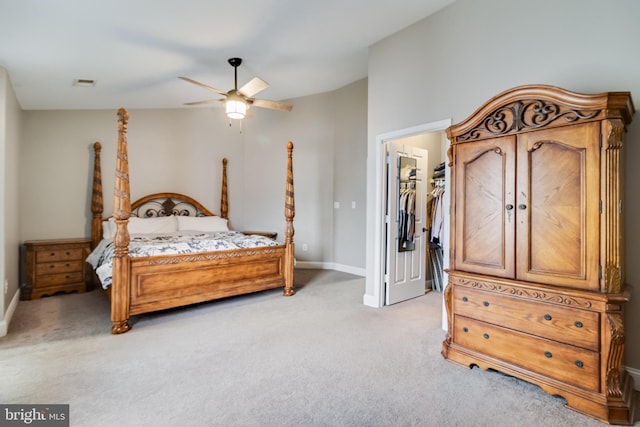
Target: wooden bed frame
(147, 284)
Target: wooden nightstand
(53, 266)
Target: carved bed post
(289, 213)
(121, 213)
(97, 205)
(224, 204)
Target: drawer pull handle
(547, 317)
(548, 354)
(52, 254)
(579, 363)
(522, 206)
(486, 336)
(52, 266)
(465, 299)
(68, 253)
(465, 329)
(578, 324)
(486, 303)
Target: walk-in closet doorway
(432, 138)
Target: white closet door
(405, 269)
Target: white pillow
(202, 223)
(155, 225)
(108, 228)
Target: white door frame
(377, 299)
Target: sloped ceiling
(134, 50)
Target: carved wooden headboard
(152, 205)
(166, 204)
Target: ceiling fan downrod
(235, 63)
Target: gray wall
(310, 127)
(447, 65)
(169, 150)
(349, 175)
(10, 133)
(329, 134)
(180, 150)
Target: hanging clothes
(406, 218)
(435, 218)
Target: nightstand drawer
(48, 255)
(59, 279)
(59, 267)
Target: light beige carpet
(319, 358)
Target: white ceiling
(136, 49)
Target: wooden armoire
(536, 280)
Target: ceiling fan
(237, 101)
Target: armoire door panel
(555, 201)
(558, 223)
(485, 218)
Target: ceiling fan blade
(206, 101)
(253, 87)
(212, 89)
(271, 104)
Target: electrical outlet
(305, 247)
(6, 286)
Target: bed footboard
(158, 283)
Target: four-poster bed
(146, 283)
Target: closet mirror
(407, 168)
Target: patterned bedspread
(180, 242)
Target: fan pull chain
(240, 124)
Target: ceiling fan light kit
(236, 107)
(236, 100)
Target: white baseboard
(635, 374)
(371, 301)
(4, 323)
(331, 266)
(312, 265)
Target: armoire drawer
(569, 364)
(567, 325)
